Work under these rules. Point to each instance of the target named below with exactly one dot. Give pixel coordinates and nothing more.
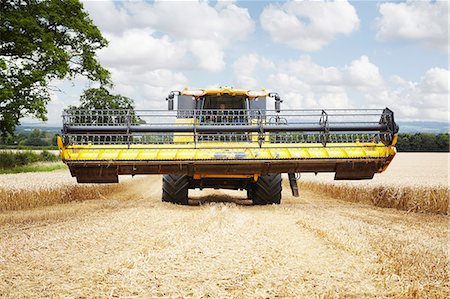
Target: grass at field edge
(35, 167)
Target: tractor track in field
(130, 244)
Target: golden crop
(416, 182)
(30, 190)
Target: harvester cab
(226, 138)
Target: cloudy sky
(314, 54)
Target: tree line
(423, 142)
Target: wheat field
(128, 244)
(416, 182)
(34, 189)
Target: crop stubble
(129, 244)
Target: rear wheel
(250, 192)
(175, 189)
(267, 190)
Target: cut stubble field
(125, 242)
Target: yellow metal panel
(88, 155)
(280, 154)
(185, 155)
(374, 152)
(261, 154)
(356, 152)
(336, 153)
(60, 144)
(395, 139)
(224, 150)
(318, 153)
(184, 137)
(108, 155)
(147, 155)
(299, 153)
(167, 155)
(127, 155)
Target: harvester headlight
(256, 93)
(193, 92)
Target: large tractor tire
(267, 190)
(175, 189)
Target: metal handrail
(150, 126)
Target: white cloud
(244, 70)
(309, 26)
(196, 20)
(149, 88)
(301, 95)
(186, 29)
(436, 81)
(305, 84)
(209, 54)
(109, 16)
(361, 73)
(138, 49)
(312, 73)
(425, 22)
(427, 98)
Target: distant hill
(434, 127)
(26, 128)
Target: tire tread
(175, 189)
(267, 190)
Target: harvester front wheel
(175, 189)
(267, 190)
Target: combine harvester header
(226, 138)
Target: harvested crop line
(26, 199)
(31, 190)
(430, 199)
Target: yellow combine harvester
(226, 138)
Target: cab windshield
(223, 102)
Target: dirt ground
(132, 245)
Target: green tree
(442, 141)
(37, 138)
(96, 107)
(102, 99)
(42, 41)
(429, 142)
(423, 142)
(403, 143)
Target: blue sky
(315, 54)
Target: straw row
(20, 199)
(430, 199)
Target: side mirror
(169, 103)
(278, 101)
(277, 106)
(170, 98)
